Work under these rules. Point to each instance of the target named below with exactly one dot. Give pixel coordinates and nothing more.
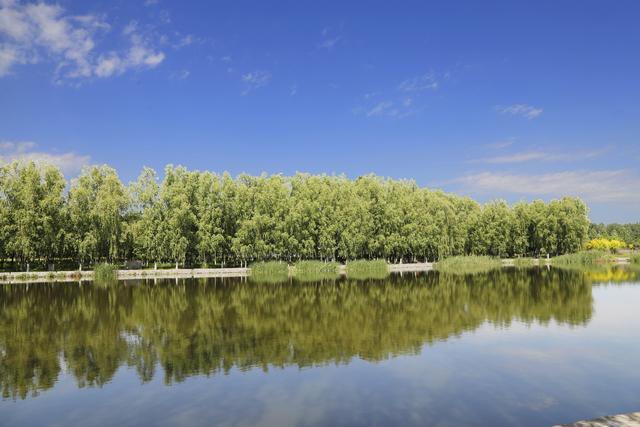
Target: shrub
(269, 272)
(602, 244)
(367, 269)
(468, 264)
(105, 274)
(523, 262)
(310, 271)
(583, 259)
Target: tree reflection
(207, 326)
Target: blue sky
(502, 99)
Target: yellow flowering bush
(606, 244)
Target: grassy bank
(524, 262)
(367, 269)
(468, 264)
(635, 259)
(105, 274)
(269, 272)
(583, 259)
(310, 271)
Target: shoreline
(194, 273)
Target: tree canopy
(204, 218)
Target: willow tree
(32, 211)
(97, 203)
(178, 214)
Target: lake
(514, 347)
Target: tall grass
(468, 264)
(311, 271)
(105, 274)
(524, 262)
(269, 272)
(367, 269)
(635, 259)
(583, 259)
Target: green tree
(97, 203)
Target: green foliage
(635, 259)
(583, 259)
(628, 233)
(192, 218)
(523, 262)
(105, 274)
(367, 269)
(468, 264)
(310, 271)
(269, 272)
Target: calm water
(509, 348)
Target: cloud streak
(594, 186)
(427, 81)
(255, 80)
(522, 110)
(527, 156)
(69, 163)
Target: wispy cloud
(69, 163)
(37, 32)
(427, 81)
(594, 186)
(527, 156)
(521, 110)
(255, 80)
(499, 145)
(329, 39)
(140, 55)
(383, 108)
(181, 75)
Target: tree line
(195, 218)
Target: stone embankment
(79, 276)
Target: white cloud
(255, 80)
(181, 75)
(139, 56)
(37, 32)
(593, 186)
(522, 110)
(383, 108)
(427, 81)
(69, 163)
(527, 156)
(329, 41)
(502, 144)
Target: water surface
(513, 347)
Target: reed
(583, 259)
(468, 264)
(269, 272)
(523, 262)
(311, 271)
(367, 269)
(105, 274)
